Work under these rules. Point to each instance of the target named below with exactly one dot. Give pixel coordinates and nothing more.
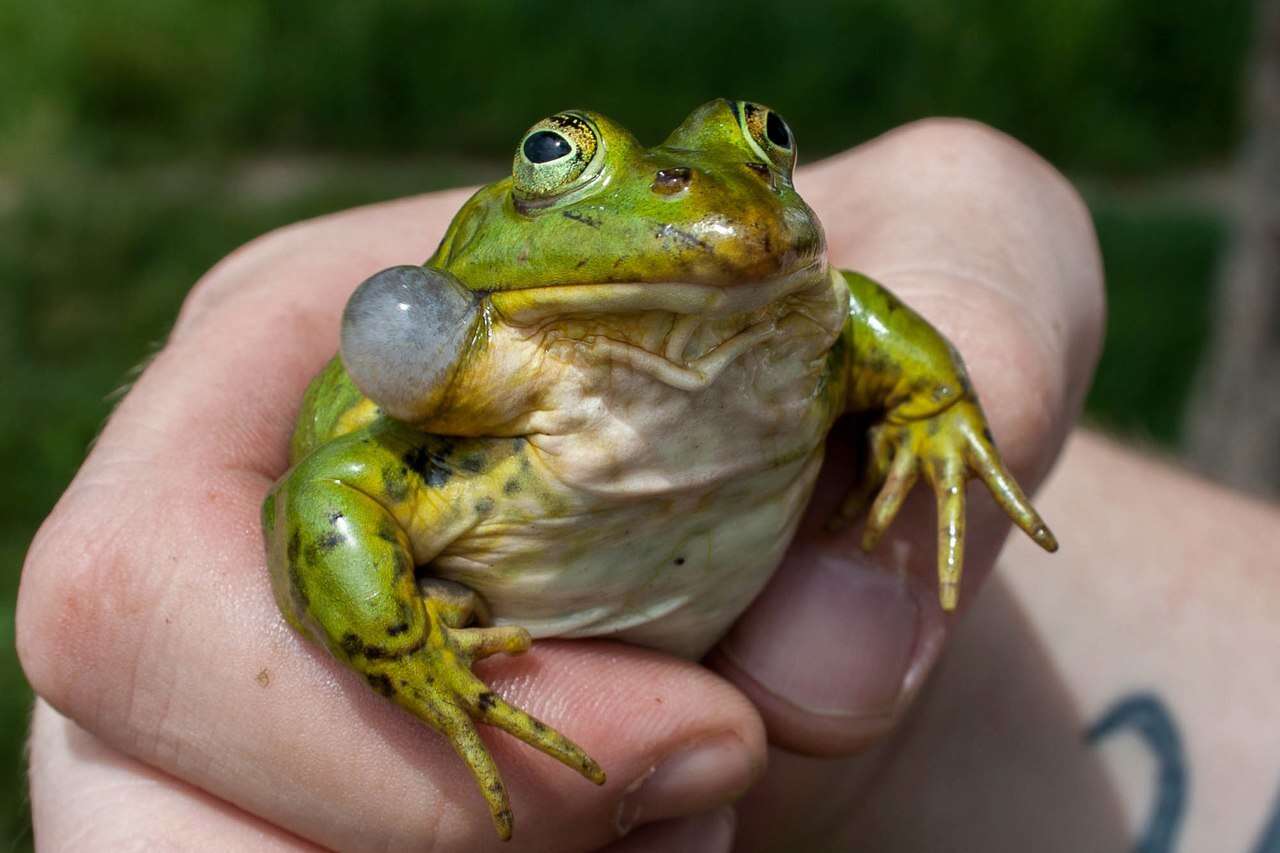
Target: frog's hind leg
(343, 572)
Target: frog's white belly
(669, 572)
(665, 509)
(667, 512)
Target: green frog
(599, 409)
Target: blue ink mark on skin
(1147, 716)
(1269, 840)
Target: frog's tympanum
(599, 409)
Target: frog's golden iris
(599, 408)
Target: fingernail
(711, 832)
(858, 628)
(697, 778)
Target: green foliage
(1160, 264)
(1108, 85)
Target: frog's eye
(557, 154)
(768, 135)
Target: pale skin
(167, 651)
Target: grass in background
(1160, 264)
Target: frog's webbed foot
(949, 448)
(436, 684)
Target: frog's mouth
(533, 305)
(690, 303)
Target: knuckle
(253, 259)
(77, 600)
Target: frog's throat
(534, 305)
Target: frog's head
(591, 222)
(586, 204)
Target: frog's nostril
(672, 180)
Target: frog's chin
(535, 305)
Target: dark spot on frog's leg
(329, 541)
(418, 460)
(395, 483)
(295, 546)
(484, 506)
(387, 534)
(986, 433)
(372, 652)
(679, 561)
(486, 701)
(301, 600)
(511, 486)
(472, 463)
(381, 684)
(539, 726)
(351, 645)
(406, 619)
(404, 563)
(335, 517)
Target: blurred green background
(141, 140)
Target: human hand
(168, 646)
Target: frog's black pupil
(545, 146)
(776, 129)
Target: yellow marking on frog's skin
(627, 435)
(361, 414)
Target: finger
(86, 796)
(837, 645)
(947, 479)
(930, 785)
(169, 645)
(705, 833)
(1009, 495)
(902, 476)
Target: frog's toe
(480, 643)
(948, 448)
(902, 475)
(492, 709)
(985, 461)
(879, 460)
(437, 685)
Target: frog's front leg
(932, 424)
(343, 570)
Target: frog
(599, 408)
